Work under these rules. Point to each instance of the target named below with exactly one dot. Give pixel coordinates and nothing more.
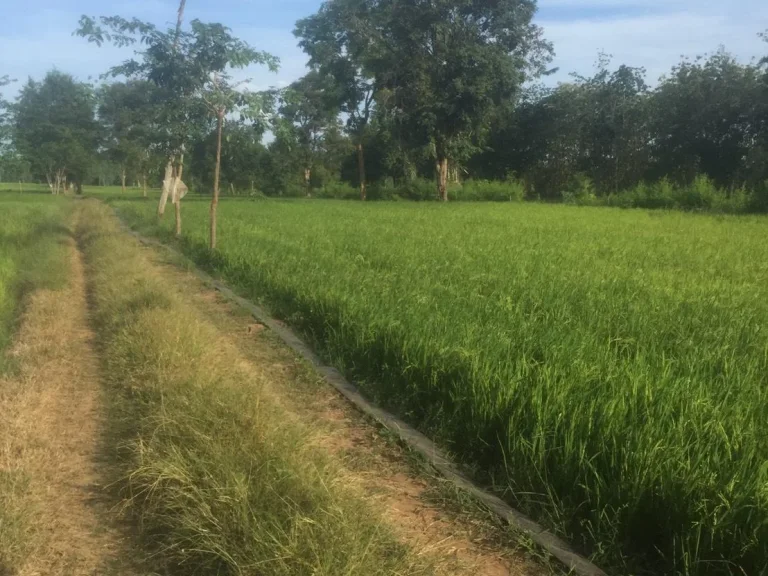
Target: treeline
(416, 100)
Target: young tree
(221, 96)
(55, 130)
(185, 66)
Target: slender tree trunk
(361, 169)
(216, 175)
(307, 177)
(442, 180)
(144, 182)
(176, 195)
(122, 179)
(167, 184)
(177, 213)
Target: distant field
(29, 253)
(36, 188)
(608, 367)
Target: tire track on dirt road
(52, 424)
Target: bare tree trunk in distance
(144, 182)
(216, 175)
(122, 179)
(307, 177)
(361, 169)
(176, 196)
(167, 184)
(442, 181)
(179, 20)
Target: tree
(127, 110)
(338, 46)
(4, 116)
(704, 119)
(221, 96)
(55, 130)
(449, 63)
(243, 158)
(189, 70)
(306, 111)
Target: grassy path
(421, 509)
(51, 430)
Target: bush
(510, 190)
(419, 189)
(580, 191)
(701, 194)
(338, 190)
(383, 190)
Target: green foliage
(510, 190)
(128, 111)
(189, 69)
(606, 367)
(701, 195)
(220, 478)
(706, 117)
(417, 189)
(338, 191)
(54, 129)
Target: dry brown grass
(51, 411)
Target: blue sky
(650, 33)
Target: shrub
(338, 190)
(510, 190)
(383, 190)
(580, 191)
(701, 194)
(419, 189)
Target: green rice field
(605, 369)
(30, 255)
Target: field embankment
(605, 368)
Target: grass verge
(218, 480)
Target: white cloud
(655, 38)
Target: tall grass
(606, 368)
(220, 479)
